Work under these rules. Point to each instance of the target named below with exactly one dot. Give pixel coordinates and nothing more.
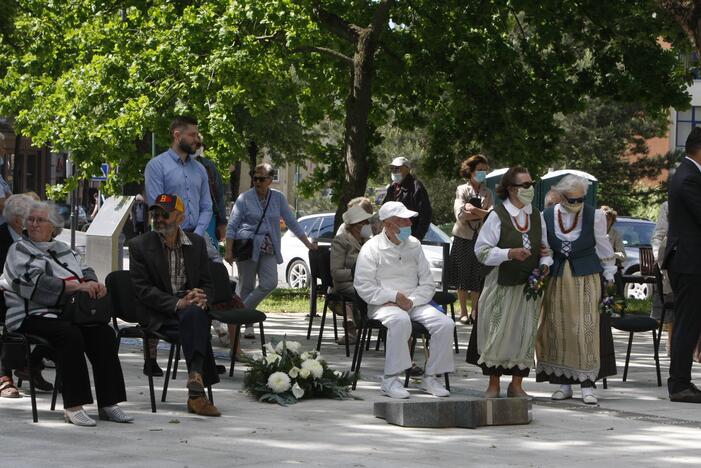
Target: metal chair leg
(149, 374)
(321, 327)
(412, 348)
(606, 384)
(234, 348)
(367, 342)
(630, 345)
(168, 369)
(312, 310)
(209, 392)
(57, 382)
(262, 337)
(355, 352)
(364, 335)
(382, 334)
(455, 329)
(655, 340)
(177, 360)
(32, 390)
(345, 327)
(447, 381)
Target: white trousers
(398, 323)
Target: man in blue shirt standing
(177, 172)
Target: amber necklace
(518, 226)
(562, 226)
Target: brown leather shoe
(202, 406)
(689, 395)
(194, 382)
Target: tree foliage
(97, 77)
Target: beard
(163, 228)
(186, 147)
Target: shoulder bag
(243, 248)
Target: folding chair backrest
(122, 298)
(222, 284)
(647, 261)
(320, 267)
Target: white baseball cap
(400, 161)
(355, 214)
(395, 208)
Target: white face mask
(572, 207)
(397, 177)
(526, 195)
(366, 231)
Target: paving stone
(455, 412)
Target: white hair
(572, 183)
(52, 213)
(17, 205)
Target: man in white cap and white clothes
(393, 276)
(411, 192)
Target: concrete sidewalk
(634, 424)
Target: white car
(319, 227)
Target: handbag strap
(65, 265)
(270, 195)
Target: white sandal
(563, 393)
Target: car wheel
(298, 274)
(641, 291)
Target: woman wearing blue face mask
(473, 201)
(514, 242)
(573, 346)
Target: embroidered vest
(515, 272)
(581, 253)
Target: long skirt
(466, 272)
(572, 338)
(505, 329)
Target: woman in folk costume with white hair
(568, 347)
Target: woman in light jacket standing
(473, 201)
(248, 222)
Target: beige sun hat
(355, 214)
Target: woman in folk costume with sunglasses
(513, 241)
(569, 346)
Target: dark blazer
(148, 266)
(413, 195)
(6, 241)
(683, 254)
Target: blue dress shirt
(167, 173)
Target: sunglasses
(260, 179)
(574, 200)
(525, 185)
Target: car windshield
(635, 233)
(434, 234)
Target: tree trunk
(235, 181)
(252, 158)
(687, 14)
(358, 107)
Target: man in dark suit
(407, 189)
(683, 262)
(170, 273)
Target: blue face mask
(404, 233)
(480, 176)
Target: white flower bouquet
(286, 375)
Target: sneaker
(249, 332)
(79, 418)
(589, 397)
(563, 393)
(393, 388)
(115, 414)
(430, 384)
(153, 367)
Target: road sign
(105, 168)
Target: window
(307, 225)
(326, 228)
(635, 234)
(276, 175)
(686, 120)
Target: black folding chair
(647, 270)
(640, 324)
(238, 317)
(17, 350)
(444, 298)
(320, 270)
(123, 300)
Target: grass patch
(286, 300)
(639, 306)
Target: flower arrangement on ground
(535, 286)
(612, 303)
(286, 375)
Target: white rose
(297, 391)
(279, 382)
(338, 374)
(272, 358)
(269, 348)
(314, 367)
(305, 356)
(294, 346)
(294, 372)
(305, 373)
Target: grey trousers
(265, 270)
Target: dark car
(635, 233)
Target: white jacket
(384, 268)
